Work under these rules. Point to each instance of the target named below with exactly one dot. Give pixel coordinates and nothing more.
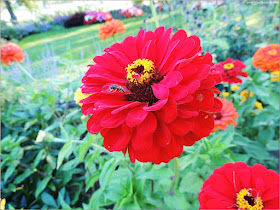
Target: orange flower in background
(111, 28)
(225, 117)
(11, 52)
(267, 58)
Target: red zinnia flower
(11, 52)
(152, 94)
(230, 69)
(225, 117)
(239, 186)
(267, 58)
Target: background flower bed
(63, 166)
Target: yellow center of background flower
(245, 200)
(274, 76)
(245, 94)
(78, 96)
(228, 66)
(140, 71)
(272, 52)
(258, 105)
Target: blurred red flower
(225, 117)
(111, 28)
(230, 69)
(152, 94)
(267, 58)
(11, 52)
(239, 186)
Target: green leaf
(221, 43)
(156, 174)
(94, 202)
(259, 90)
(64, 205)
(84, 148)
(30, 123)
(10, 170)
(191, 183)
(63, 152)
(23, 176)
(48, 199)
(273, 100)
(264, 118)
(90, 182)
(51, 160)
(176, 201)
(265, 135)
(38, 158)
(107, 171)
(273, 145)
(42, 186)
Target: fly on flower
(151, 95)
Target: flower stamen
(140, 71)
(272, 52)
(228, 66)
(246, 200)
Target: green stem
(176, 174)
(229, 90)
(276, 11)
(26, 72)
(154, 13)
(115, 39)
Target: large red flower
(152, 94)
(239, 186)
(230, 70)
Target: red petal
(181, 126)
(136, 116)
(142, 143)
(148, 126)
(116, 139)
(204, 123)
(93, 125)
(160, 91)
(168, 113)
(156, 106)
(162, 135)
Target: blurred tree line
(30, 5)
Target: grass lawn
(69, 42)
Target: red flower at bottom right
(239, 186)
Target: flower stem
(154, 13)
(24, 70)
(115, 39)
(176, 173)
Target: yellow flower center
(140, 71)
(245, 200)
(272, 52)
(258, 105)
(274, 76)
(228, 66)
(245, 94)
(235, 87)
